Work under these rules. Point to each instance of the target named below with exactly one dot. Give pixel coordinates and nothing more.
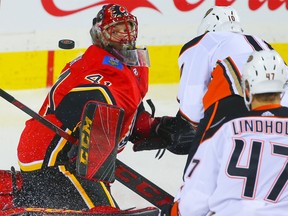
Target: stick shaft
(36, 116)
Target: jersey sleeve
(195, 76)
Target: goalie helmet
(106, 34)
(264, 72)
(220, 18)
(115, 30)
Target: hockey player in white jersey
(242, 168)
(220, 36)
(201, 100)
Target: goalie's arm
(77, 98)
(144, 135)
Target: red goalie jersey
(96, 75)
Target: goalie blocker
(98, 143)
(99, 135)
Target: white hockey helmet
(264, 72)
(220, 18)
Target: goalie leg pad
(10, 184)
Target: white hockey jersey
(199, 57)
(241, 170)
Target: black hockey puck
(66, 44)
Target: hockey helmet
(105, 32)
(264, 72)
(115, 30)
(220, 18)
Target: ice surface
(166, 172)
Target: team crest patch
(108, 60)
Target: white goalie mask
(220, 18)
(264, 72)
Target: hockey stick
(97, 211)
(36, 116)
(124, 174)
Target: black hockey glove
(177, 132)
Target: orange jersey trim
(174, 209)
(267, 107)
(221, 83)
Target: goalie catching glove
(173, 133)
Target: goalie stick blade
(142, 186)
(60, 212)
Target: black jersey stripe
(191, 43)
(253, 42)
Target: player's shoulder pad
(191, 43)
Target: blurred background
(30, 31)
